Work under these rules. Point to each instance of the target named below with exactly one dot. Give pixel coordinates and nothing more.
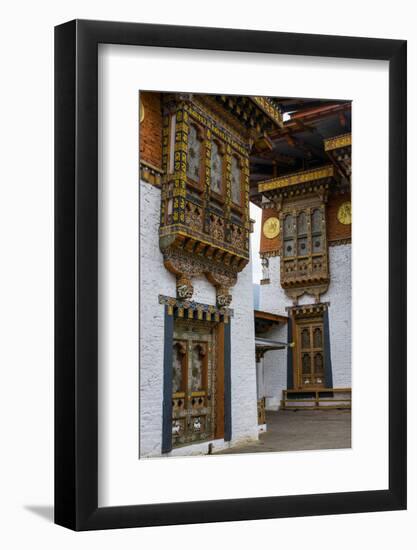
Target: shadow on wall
(45, 512)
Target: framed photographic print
(230, 275)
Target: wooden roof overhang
(264, 321)
(262, 345)
(339, 151)
(257, 116)
(298, 144)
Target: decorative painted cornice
(269, 109)
(307, 310)
(218, 126)
(195, 310)
(344, 140)
(297, 178)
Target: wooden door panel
(194, 372)
(310, 354)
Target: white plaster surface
(155, 280)
(244, 402)
(340, 314)
(275, 369)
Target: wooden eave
(272, 317)
(305, 176)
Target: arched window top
(316, 220)
(318, 340)
(288, 225)
(301, 223)
(305, 338)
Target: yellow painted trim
(337, 142)
(294, 179)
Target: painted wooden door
(193, 382)
(310, 360)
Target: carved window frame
(308, 206)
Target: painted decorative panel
(193, 154)
(216, 166)
(178, 366)
(198, 358)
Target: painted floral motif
(194, 154)
(216, 169)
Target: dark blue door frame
(169, 317)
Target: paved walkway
(301, 430)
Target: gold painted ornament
(344, 214)
(271, 228)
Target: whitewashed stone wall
(274, 300)
(275, 369)
(155, 279)
(340, 314)
(243, 362)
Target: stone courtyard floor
(301, 430)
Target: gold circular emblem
(141, 112)
(344, 214)
(271, 228)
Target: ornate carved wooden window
(236, 181)
(310, 354)
(194, 154)
(304, 261)
(205, 222)
(216, 164)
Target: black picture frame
(76, 271)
